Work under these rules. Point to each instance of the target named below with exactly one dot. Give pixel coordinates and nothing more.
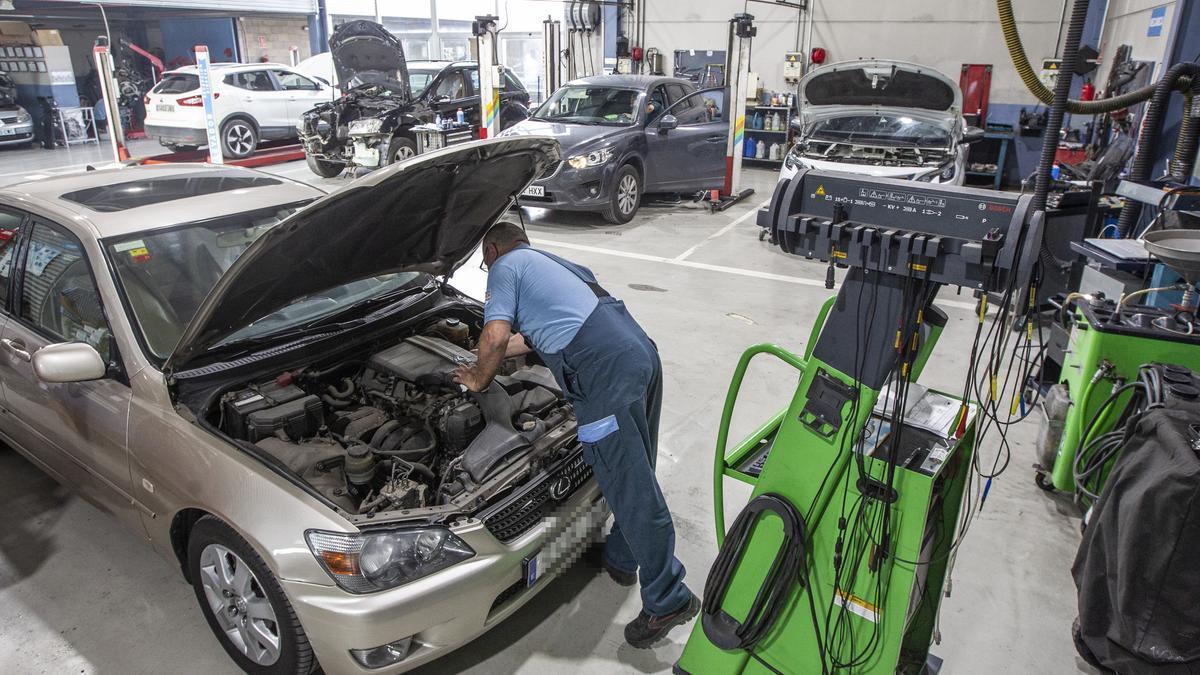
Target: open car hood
(364, 52)
(8, 91)
(831, 89)
(427, 214)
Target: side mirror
(667, 123)
(68, 362)
(972, 135)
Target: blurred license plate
(534, 191)
(567, 545)
(165, 107)
(7, 132)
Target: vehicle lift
(102, 53)
(796, 588)
(490, 75)
(741, 33)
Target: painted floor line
(755, 274)
(721, 232)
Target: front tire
(244, 604)
(324, 168)
(239, 138)
(400, 149)
(626, 196)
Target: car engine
(325, 130)
(874, 155)
(394, 431)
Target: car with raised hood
(16, 124)
(624, 136)
(252, 103)
(264, 394)
(881, 118)
(385, 96)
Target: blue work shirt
(543, 299)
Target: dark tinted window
(58, 294)
(677, 92)
(130, 195)
(700, 107)
(656, 103)
(511, 82)
(10, 226)
(254, 80)
(177, 83)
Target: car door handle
(16, 348)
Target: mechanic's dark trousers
(612, 374)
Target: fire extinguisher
(1088, 92)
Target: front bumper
(570, 189)
(21, 133)
(450, 608)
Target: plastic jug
(761, 151)
(748, 148)
(775, 151)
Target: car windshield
(419, 79)
(881, 129)
(166, 274)
(583, 104)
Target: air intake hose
(1016, 51)
(1189, 134)
(1054, 120)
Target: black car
(386, 96)
(625, 135)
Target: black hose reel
(722, 629)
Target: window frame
(442, 77)
(275, 72)
(17, 262)
(698, 93)
(113, 361)
(266, 71)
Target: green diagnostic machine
(838, 562)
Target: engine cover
(422, 359)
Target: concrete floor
(80, 594)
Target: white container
(760, 152)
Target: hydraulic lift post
(108, 92)
(484, 29)
(551, 55)
(741, 32)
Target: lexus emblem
(560, 488)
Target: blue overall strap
(585, 275)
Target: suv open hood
(364, 52)
(427, 214)
(832, 89)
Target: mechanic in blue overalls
(610, 371)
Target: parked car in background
(252, 103)
(385, 96)
(16, 124)
(881, 118)
(626, 135)
(289, 435)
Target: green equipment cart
(839, 560)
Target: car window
(473, 74)
(177, 83)
(254, 80)
(58, 294)
(289, 81)
(656, 103)
(700, 107)
(678, 92)
(10, 227)
(512, 83)
(451, 86)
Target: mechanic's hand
(470, 378)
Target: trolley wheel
(1043, 481)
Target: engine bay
(392, 430)
(873, 155)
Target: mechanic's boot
(646, 630)
(620, 576)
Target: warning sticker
(857, 605)
(140, 255)
(820, 189)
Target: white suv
(252, 103)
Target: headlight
(24, 117)
(375, 561)
(792, 159)
(364, 127)
(593, 158)
(943, 174)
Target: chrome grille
(518, 513)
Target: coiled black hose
(1058, 106)
(1189, 134)
(1016, 51)
(1147, 139)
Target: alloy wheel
(239, 138)
(241, 608)
(404, 152)
(627, 194)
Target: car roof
(48, 193)
(631, 81)
(441, 64)
(191, 70)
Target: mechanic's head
(502, 238)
